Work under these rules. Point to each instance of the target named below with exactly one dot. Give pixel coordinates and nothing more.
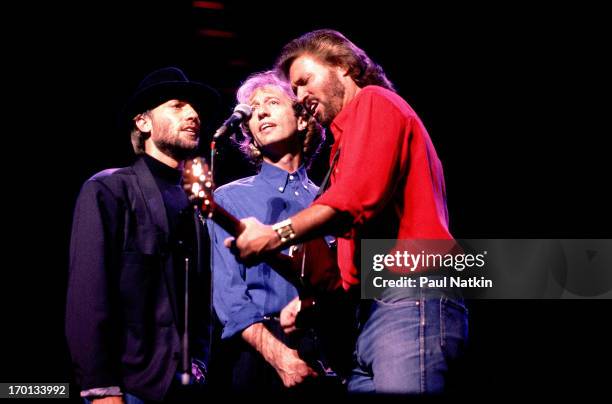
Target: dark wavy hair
(335, 49)
(312, 137)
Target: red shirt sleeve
(374, 152)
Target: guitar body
(318, 266)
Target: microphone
(242, 112)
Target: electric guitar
(311, 267)
(311, 264)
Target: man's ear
(343, 70)
(143, 122)
(302, 123)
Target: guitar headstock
(198, 183)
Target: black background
(513, 97)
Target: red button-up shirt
(388, 177)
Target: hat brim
(203, 98)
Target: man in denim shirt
(281, 139)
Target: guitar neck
(226, 220)
(317, 268)
(285, 265)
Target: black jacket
(121, 317)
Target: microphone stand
(186, 375)
(213, 151)
(198, 218)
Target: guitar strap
(316, 345)
(325, 183)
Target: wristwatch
(284, 230)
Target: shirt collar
(162, 171)
(337, 125)
(279, 178)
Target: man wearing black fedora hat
(132, 238)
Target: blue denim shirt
(243, 296)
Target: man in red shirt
(387, 183)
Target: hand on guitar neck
(312, 263)
(265, 240)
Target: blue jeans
(406, 343)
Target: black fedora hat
(166, 84)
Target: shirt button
(305, 187)
(281, 189)
(297, 193)
(291, 177)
